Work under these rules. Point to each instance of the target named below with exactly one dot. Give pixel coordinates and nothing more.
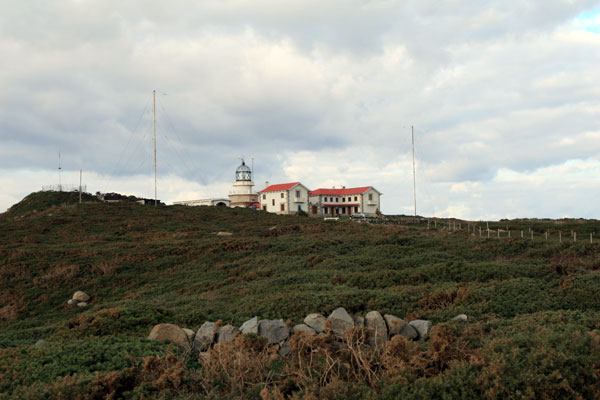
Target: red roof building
(345, 201)
(284, 198)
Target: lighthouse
(242, 195)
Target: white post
(435, 223)
(574, 237)
(427, 224)
(498, 233)
(521, 233)
(479, 231)
(546, 235)
(559, 236)
(488, 231)
(80, 172)
(509, 234)
(531, 233)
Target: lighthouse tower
(241, 194)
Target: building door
(314, 209)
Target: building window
(355, 209)
(343, 199)
(273, 201)
(282, 195)
(355, 198)
(370, 196)
(264, 196)
(349, 199)
(337, 200)
(282, 207)
(297, 193)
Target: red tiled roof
(278, 187)
(341, 192)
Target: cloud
(320, 92)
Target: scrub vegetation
(533, 306)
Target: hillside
(533, 305)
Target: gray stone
(40, 342)
(422, 327)
(285, 348)
(359, 321)
(82, 304)
(376, 329)
(409, 332)
(224, 234)
(395, 324)
(304, 329)
(341, 321)
(273, 329)
(316, 321)
(80, 296)
(460, 317)
(72, 302)
(250, 326)
(226, 334)
(190, 334)
(205, 336)
(169, 333)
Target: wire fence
(64, 188)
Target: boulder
(169, 333)
(341, 321)
(359, 321)
(80, 296)
(226, 333)
(250, 326)
(205, 336)
(72, 302)
(460, 317)
(82, 304)
(285, 348)
(190, 334)
(409, 332)
(422, 327)
(273, 329)
(376, 329)
(395, 324)
(224, 234)
(40, 342)
(304, 329)
(316, 321)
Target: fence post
(559, 236)
(521, 233)
(479, 231)
(498, 233)
(509, 234)
(574, 237)
(531, 233)
(546, 235)
(590, 237)
(427, 224)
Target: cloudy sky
(504, 97)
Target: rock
(226, 334)
(285, 348)
(224, 234)
(190, 334)
(205, 336)
(376, 328)
(82, 304)
(422, 327)
(316, 321)
(341, 321)
(304, 329)
(395, 324)
(359, 321)
(80, 296)
(169, 333)
(273, 329)
(409, 332)
(250, 326)
(460, 317)
(72, 302)
(40, 342)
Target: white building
(204, 202)
(345, 201)
(285, 198)
(242, 195)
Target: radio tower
(59, 173)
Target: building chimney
(266, 184)
(343, 187)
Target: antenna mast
(59, 173)
(412, 130)
(154, 111)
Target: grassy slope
(537, 303)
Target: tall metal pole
(59, 173)
(154, 109)
(80, 172)
(412, 129)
